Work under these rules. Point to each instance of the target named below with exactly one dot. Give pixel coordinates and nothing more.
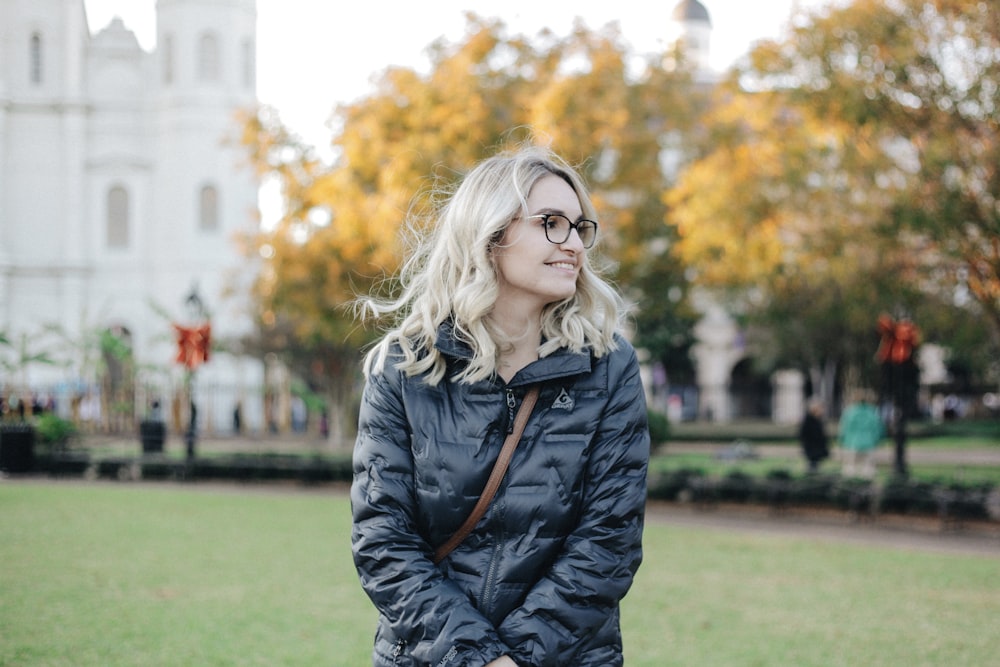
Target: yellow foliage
(415, 134)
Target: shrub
(54, 431)
(659, 427)
(736, 486)
(906, 496)
(671, 484)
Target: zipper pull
(511, 404)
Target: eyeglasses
(558, 227)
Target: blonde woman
(502, 296)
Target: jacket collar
(560, 364)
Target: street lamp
(900, 378)
(193, 344)
(195, 306)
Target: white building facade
(123, 190)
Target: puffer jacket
(541, 576)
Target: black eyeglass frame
(569, 230)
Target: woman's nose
(573, 241)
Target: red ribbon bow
(193, 344)
(898, 340)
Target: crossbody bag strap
(496, 476)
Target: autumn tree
(851, 168)
(916, 84)
(399, 149)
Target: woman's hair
(452, 276)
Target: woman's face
(534, 272)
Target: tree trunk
(824, 382)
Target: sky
(342, 46)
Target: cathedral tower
(692, 31)
(42, 151)
(123, 188)
(205, 195)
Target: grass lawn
(105, 575)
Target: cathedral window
(208, 208)
(208, 58)
(117, 226)
(35, 58)
(168, 59)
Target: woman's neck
(522, 336)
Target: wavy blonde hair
(452, 276)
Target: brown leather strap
(496, 476)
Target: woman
(860, 431)
(502, 297)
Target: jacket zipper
(511, 404)
(491, 572)
(398, 650)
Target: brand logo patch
(563, 401)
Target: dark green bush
(736, 486)
(54, 431)
(669, 485)
(659, 427)
(853, 494)
(813, 490)
(905, 496)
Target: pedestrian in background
(812, 435)
(860, 432)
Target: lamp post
(193, 343)
(900, 378)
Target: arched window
(208, 208)
(168, 59)
(249, 63)
(35, 58)
(117, 221)
(208, 58)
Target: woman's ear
(496, 241)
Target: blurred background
(799, 200)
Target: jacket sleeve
(431, 619)
(581, 591)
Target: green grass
(99, 575)
(103, 575)
(707, 598)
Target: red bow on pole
(193, 344)
(898, 340)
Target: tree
(916, 83)
(762, 225)
(398, 150)
(22, 352)
(843, 176)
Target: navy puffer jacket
(540, 578)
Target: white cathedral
(123, 192)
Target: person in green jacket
(861, 429)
